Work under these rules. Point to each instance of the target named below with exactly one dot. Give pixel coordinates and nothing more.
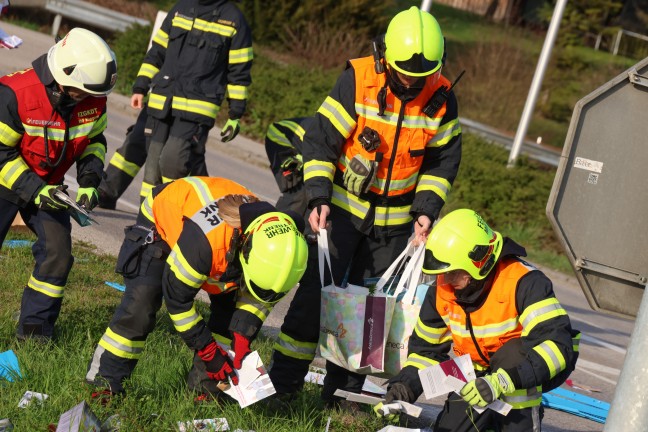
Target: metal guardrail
(87, 13)
(534, 151)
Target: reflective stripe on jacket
(195, 198)
(87, 120)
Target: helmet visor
(432, 264)
(265, 295)
(109, 82)
(417, 65)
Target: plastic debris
(79, 418)
(6, 425)
(30, 397)
(9, 368)
(115, 285)
(577, 404)
(215, 424)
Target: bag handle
(415, 274)
(395, 266)
(323, 255)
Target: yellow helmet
(84, 61)
(414, 43)
(273, 256)
(462, 240)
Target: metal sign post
(545, 55)
(426, 5)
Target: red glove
(241, 346)
(219, 365)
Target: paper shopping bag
(354, 322)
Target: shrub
(130, 48)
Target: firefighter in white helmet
(52, 116)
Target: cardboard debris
(79, 418)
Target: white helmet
(84, 61)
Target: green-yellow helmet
(462, 240)
(273, 256)
(414, 43)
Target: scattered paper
(17, 243)
(79, 418)
(115, 285)
(6, 425)
(215, 424)
(497, 405)
(433, 377)
(7, 41)
(407, 408)
(254, 382)
(391, 428)
(31, 396)
(368, 386)
(9, 368)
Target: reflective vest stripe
(120, 346)
(524, 398)
(552, 356)
(349, 202)
(12, 171)
(185, 320)
(195, 106)
(242, 55)
(432, 335)
(540, 312)
(210, 27)
(96, 149)
(419, 362)
(438, 185)
(119, 162)
(183, 271)
(445, 134)
(202, 190)
(337, 115)
(293, 348)
(237, 91)
(146, 209)
(156, 101)
(161, 38)
(316, 168)
(8, 136)
(50, 290)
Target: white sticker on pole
(588, 164)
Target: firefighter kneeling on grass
(502, 311)
(199, 233)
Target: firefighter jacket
(202, 50)
(516, 301)
(285, 139)
(39, 143)
(185, 214)
(418, 156)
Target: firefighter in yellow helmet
(52, 116)
(492, 305)
(199, 233)
(380, 158)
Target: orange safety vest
(35, 111)
(195, 198)
(494, 323)
(415, 132)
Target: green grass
(157, 396)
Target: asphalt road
(605, 338)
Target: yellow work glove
(45, 198)
(359, 175)
(387, 411)
(486, 389)
(230, 130)
(87, 197)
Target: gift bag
(354, 321)
(409, 294)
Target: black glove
(400, 391)
(219, 365)
(291, 173)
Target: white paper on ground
(497, 405)
(407, 408)
(254, 382)
(368, 386)
(31, 396)
(215, 424)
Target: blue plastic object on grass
(577, 404)
(17, 243)
(117, 286)
(9, 368)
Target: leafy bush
(130, 48)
